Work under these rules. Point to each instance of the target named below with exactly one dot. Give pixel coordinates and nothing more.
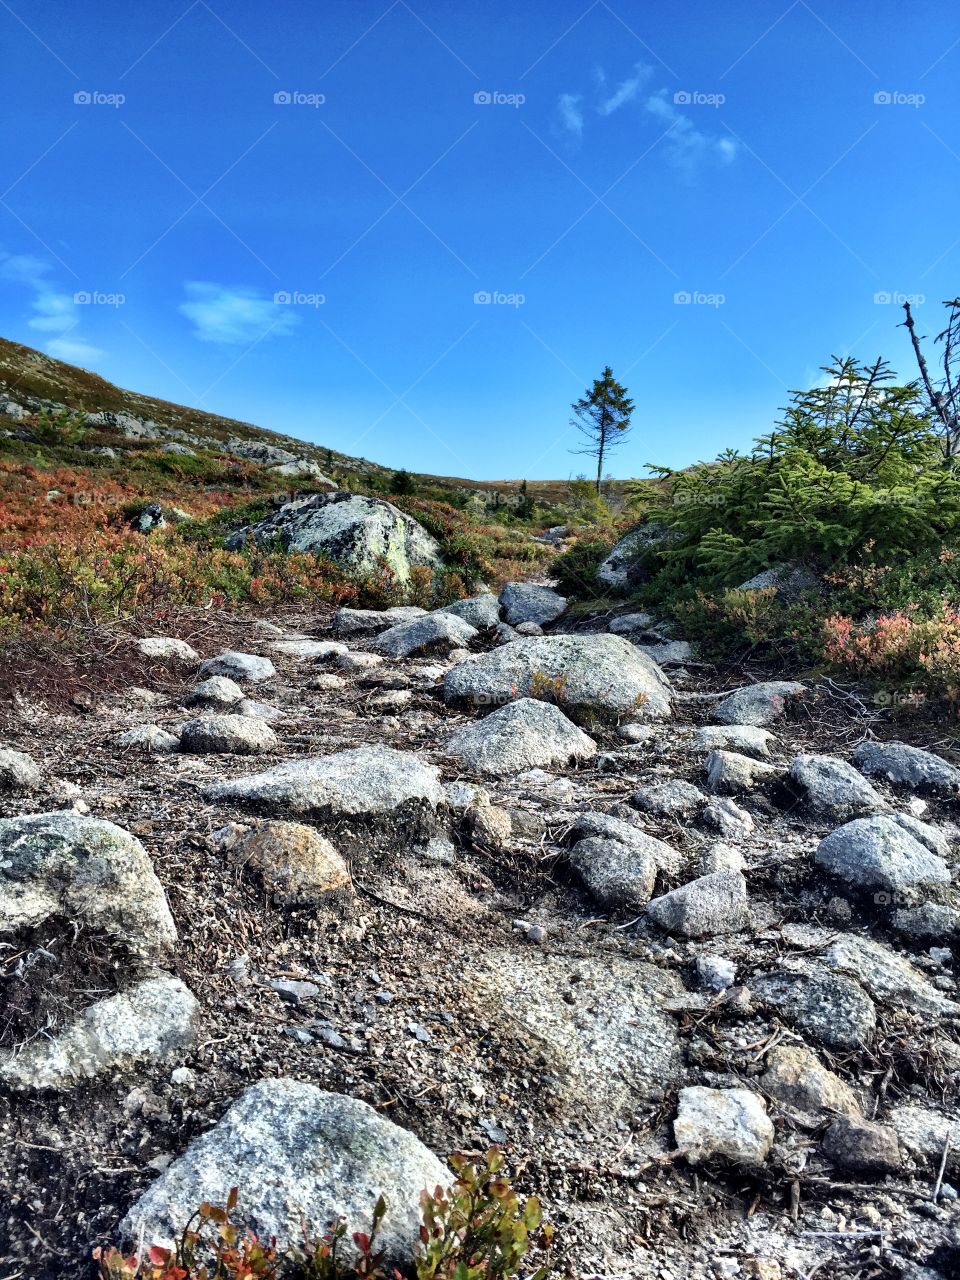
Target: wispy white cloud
(52, 312)
(233, 316)
(687, 146)
(626, 91)
(571, 113)
(74, 350)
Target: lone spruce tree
(603, 417)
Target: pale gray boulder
(257, 710)
(926, 1133)
(367, 622)
(671, 799)
(827, 1006)
(722, 1122)
(908, 767)
(529, 602)
(930, 923)
(301, 1158)
(879, 853)
(591, 676)
(889, 978)
(227, 735)
(610, 827)
(704, 907)
(303, 469)
(624, 565)
(524, 734)
(153, 1021)
(302, 647)
(734, 774)
(628, 623)
(18, 771)
(480, 611)
(246, 668)
(362, 534)
(618, 876)
(150, 738)
(85, 869)
(758, 704)
(435, 632)
(744, 739)
(167, 649)
(215, 691)
(834, 789)
(671, 653)
(727, 817)
(269, 455)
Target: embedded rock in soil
(297, 865)
(758, 704)
(930, 922)
(18, 771)
(62, 864)
(878, 853)
(925, 1134)
(722, 1122)
(804, 1089)
(369, 785)
(436, 632)
(672, 799)
(888, 977)
(367, 622)
(711, 905)
(524, 734)
(721, 857)
(835, 789)
(727, 817)
(591, 676)
(528, 602)
(596, 1025)
(862, 1146)
(610, 827)
(480, 611)
(729, 772)
(908, 767)
(215, 691)
(301, 647)
(247, 668)
(149, 737)
(361, 534)
(227, 735)
(150, 1022)
(167, 649)
(254, 710)
(301, 1158)
(672, 653)
(745, 739)
(628, 623)
(616, 875)
(833, 1009)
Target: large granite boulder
(525, 734)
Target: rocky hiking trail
(388, 885)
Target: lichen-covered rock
(618, 876)
(167, 649)
(18, 771)
(758, 704)
(625, 565)
(591, 676)
(908, 766)
(525, 734)
(833, 788)
(152, 1021)
(296, 865)
(150, 738)
(215, 691)
(833, 1009)
(879, 853)
(480, 611)
(888, 977)
(629, 623)
(926, 1134)
(530, 602)
(62, 864)
(722, 1122)
(227, 735)
(366, 785)
(435, 632)
(302, 1158)
(361, 534)
(711, 905)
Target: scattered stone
(635, 733)
(878, 853)
(359, 661)
(529, 629)
(835, 789)
(150, 738)
(908, 767)
(479, 611)
(151, 1022)
(610, 827)
(721, 857)
(216, 691)
(294, 992)
(729, 772)
(627, 623)
(391, 700)
(167, 649)
(86, 869)
(258, 710)
(925, 1134)
(745, 739)
(436, 632)
(591, 676)
(486, 825)
(727, 817)
(522, 735)
(367, 622)
(716, 972)
(302, 647)
(788, 581)
(833, 1009)
(888, 977)
(618, 876)
(722, 1122)
(862, 1146)
(672, 653)
(502, 634)
(303, 1158)
(930, 922)
(247, 668)
(18, 771)
(625, 566)
(528, 602)
(362, 534)
(804, 1089)
(702, 908)
(758, 704)
(327, 682)
(227, 735)
(673, 799)
(297, 865)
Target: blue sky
(292, 213)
